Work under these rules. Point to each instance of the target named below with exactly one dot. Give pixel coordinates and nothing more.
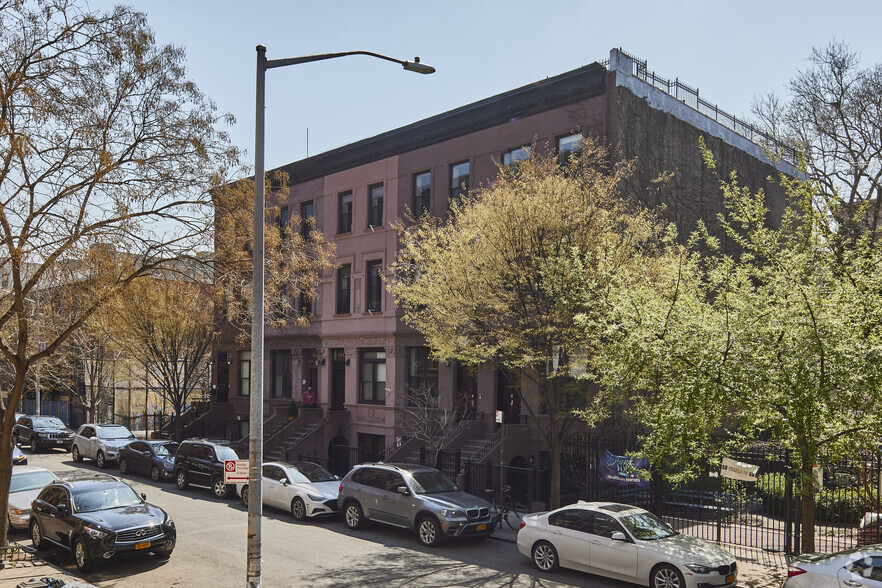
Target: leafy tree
(502, 280)
(834, 115)
(168, 324)
(780, 340)
(105, 147)
(295, 254)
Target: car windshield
(645, 526)
(165, 449)
(116, 496)
(116, 433)
(432, 483)
(30, 481)
(48, 423)
(311, 473)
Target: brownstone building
(357, 358)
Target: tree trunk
(807, 497)
(6, 441)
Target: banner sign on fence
(622, 470)
(738, 471)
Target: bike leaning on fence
(508, 510)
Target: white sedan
(304, 488)
(861, 566)
(26, 483)
(626, 543)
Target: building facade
(357, 359)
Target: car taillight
(340, 489)
(523, 524)
(794, 572)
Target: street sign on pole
(235, 471)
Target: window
(422, 188)
(371, 449)
(344, 212)
(305, 305)
(244, 373)
(281, 366)
(284, 218)
(459, 181)
(568, 146)
(373, 376)
(375, 205)
(511, 157)
(422, 370)
(307, 218)
(343, 274)
(374, 286)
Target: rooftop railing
(689, 96)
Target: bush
(834, 505)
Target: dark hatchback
(99, 519)
(156, 458)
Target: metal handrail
(689, 96)
(489, 446)
(306, 434)
(397, 444)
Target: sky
(733, 52)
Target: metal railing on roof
(690, 97)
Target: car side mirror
(402, 490)
(64, 509)
(284, 481)
(618, 536)
(336, 477)
(143, 496)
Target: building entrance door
(338, 379)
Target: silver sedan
(303, 488)
(26, 483)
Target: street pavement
(211, 542)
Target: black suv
(414, 497)
(201, 462)
(42, 432)
(97, 518)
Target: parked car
(42, 432)
(155, 458)
(25, 484)
(305, 489)
(18, 456)
(200, 462)
(413, 497)
(623, 542)
(99, 442)
(98, 519)
(860, 566)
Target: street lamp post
(255, 438)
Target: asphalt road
(212, 542)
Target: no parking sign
(235, 471)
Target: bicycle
(510, 511)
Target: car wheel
(35, 445)
(298, 509)
(666, 576)
(353, 516)
(99, 459)
(181, 480)
(429, 532)
(81, 556)
(154, 473)
(36, 534)
(75, 454)
(123, 465)
(545, 557)
(245, 496)
(220, 489)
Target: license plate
(143, 545)
(481, 528)
(730, 578)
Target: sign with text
(738, 471)
(622, 470)
(235, 471)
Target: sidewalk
(756, 568)
(26, 565)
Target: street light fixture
(255, 438)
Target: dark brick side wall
(661, 143)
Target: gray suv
(413, 497)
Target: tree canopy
(781, 340)
(500, 281)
